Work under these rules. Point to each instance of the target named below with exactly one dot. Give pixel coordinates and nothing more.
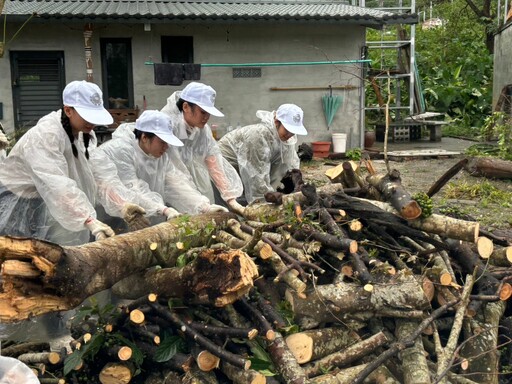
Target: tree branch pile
(328, 287)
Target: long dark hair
(64, 119)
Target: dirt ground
(419, 175)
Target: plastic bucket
(339, 142)
(321, 148)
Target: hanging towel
(168, 73)
(192, 71)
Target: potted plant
(369, 136)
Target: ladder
(401, 76)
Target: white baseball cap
(292, 116)
(87, 100)
(158, 123)
(202, 95)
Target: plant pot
(369, 139)
(321, 148)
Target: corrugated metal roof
(130, 10)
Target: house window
(116, 62)
(246, 72)
(177, 49)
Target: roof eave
(365, 20)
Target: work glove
(216, 208)
(98, 229)
(235, 206)
(133, 215)
(4, 141)
(170, 213)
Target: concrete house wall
(502, 61)
(238, 98)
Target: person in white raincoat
(147, 163)
(190, 110)
(47, 188)
(48, 191)
(263, 153)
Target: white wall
(236, 43)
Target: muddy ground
(419, 175)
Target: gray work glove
(170, 213)
(236, 207)
(216, 208)
(133, 215)
(98, 229)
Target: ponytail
(66, 124)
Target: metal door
(37, 83)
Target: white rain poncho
(46, 192)
(201, 154)
(259, 155)
(156, 182)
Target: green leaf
(167, 349)
(72, 361)
(262, 366)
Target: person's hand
(133, 215)
(235, 206)
(216, 208)
(170, 213)
(4, 141)
(98, 229)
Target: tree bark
(346, 356)
(392, 190)
(315, 344)
(215, 277)
(482, 349)
(71, 274)
(402, 294)
(489, 167)
(414, 362)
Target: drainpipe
(88, 51)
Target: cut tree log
(315, 344)
(71, 274)
(501, 257)
(326, 302)
(482, 349)
(393, 192)
(344, 357)
(215, 277)
(414, 361)
(489, 167)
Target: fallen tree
(325, 288)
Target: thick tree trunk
(68, 275)
(482, 350)
(214, 277)
(401, 295)
(490, 167)
(414, 362)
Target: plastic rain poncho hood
(259, 155)
(201, 154)
(45, 192)
(156, 182)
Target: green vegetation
(455, 66)
(484, 191)
(425, 202)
